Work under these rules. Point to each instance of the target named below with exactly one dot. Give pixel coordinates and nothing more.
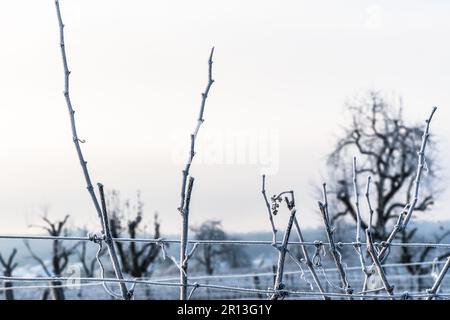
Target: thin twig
(110, 245)
(194, 135)
(371, 249)
(269, 211)
(406, 213)
(186, 190)
(358, 226)
(437, 283)
(369, 205)
(308, 261)
(183, 264)
(409, 208)
(101, 213)
(334, 252)
(278, 286)
(75, 138)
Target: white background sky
(138, 68)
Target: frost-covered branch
(279, 286)
(373, 254)
(333, 250)
(194, 135)
(110, 244)
(407, 212)
(76, 140)
(308, 261)
(437, 283)
(269, 210)
(357, 246)
(369, 204)
(186, 187)
(184, 242)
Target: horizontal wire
(165, 282)
(50, 286)
(230, 242)
(269, 274)
(219, 287)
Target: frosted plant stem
(420, 166)
(308, 261)
(278, 286)
(334, 253)
(433, 290)
(194, 135)
(411, 206)
(408, 210)
(369, 204)
(75, 138)
(272, 224)
(77, 142)
(111, 248)
(371, 249)
(184, 242)
(358, 247)
(186, 187)
(368, 271)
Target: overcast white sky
(282, 68)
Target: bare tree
(210, 255)
(127, 221)
(8, 267)
(60, 254)
(386, 147)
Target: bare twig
(66, 92)
(183, 247)
(186, 188)
(101, 213)
(308, 261)
(371, 249)
(358, 226)
(269, 210)
(191, 253)
(407, 212)
(110, 245)
(420, 166)
(278, 286)
(369, 205)
(333, 250)
(437, 283)
(194, 135)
